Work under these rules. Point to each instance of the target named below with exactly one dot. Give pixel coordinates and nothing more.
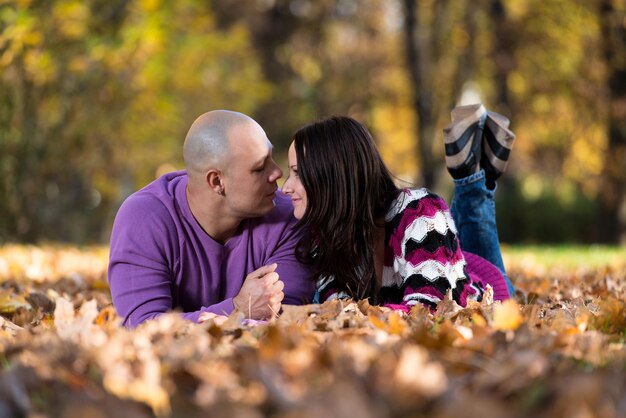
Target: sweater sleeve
(299, 286)
(328, 289)
(427, 258)
(144, 253)
(140, 260)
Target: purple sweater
(161, 259)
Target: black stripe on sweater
(394, 294)
(431, 242)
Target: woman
(397, 247)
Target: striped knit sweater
(423, 258)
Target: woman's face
(293, 186)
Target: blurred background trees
(96, 97)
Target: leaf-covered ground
(557, 351)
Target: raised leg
(474, 211)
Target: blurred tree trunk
(29, 148)
(612, 228)
(431, 51)
(320, 58)
(419, 40)
(271, 29)
(467, 61)
(504, 36)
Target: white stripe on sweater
(390, 277)
(403, 200)
(422, 226)
(413, 298)
(323, 282)
(338, 295)
(431, 270)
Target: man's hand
(261, 295)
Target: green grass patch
(591, 256)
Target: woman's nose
(287, 186)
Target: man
(213, 238)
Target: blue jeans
(474, 211)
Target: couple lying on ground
(219, 235)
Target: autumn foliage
(557, 350)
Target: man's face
(251, 172)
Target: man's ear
(214, 181)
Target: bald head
(207, 142)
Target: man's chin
(263, 209)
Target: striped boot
(463, 140)
(497, 145)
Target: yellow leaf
(377, 322)
(479, 320)
(9, 303)
(507, 316)
(397, 325)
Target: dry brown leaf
(448, 308)
(214, 318)
(76, 326)
(8, 328)
(315, 360)
(298, 314)
(415, 372)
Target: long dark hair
(348, 189)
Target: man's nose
(276, 173)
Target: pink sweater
(423, 258)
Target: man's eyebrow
(262, 160)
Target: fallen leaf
(416, 372)
(507, 316)
(10, 303)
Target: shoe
(496, 149)
(463, 139)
